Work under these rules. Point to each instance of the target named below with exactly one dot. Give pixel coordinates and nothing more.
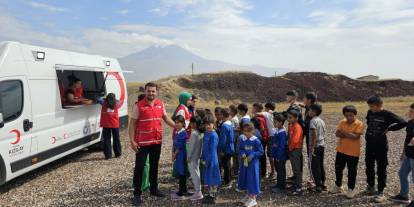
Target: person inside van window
(75, 95)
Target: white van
(36, 125)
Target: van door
(15, 107)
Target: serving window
(78, 88)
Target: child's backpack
(263, 127)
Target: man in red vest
(145, 133)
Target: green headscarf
(184, 97)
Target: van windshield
(80, 87)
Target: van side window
(11, 99)
(79, 88)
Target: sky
(351, 37)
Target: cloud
(369, 38)
(122, 12)
(159, 11)
(47, 7)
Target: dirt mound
(249, 87)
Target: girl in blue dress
(250, 150)
(209, 159)
(179, 157)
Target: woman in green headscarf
(184, 99)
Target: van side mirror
(1, 121)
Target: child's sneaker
(351, 193)
(297, 192)
(245, 199)
(196, 196)
(400, 199)
(379, 198)
(177, 197)
(370, 190)
(227, 186)
(338, 190)
(250, 203)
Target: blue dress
(279, 145)
(226, 140)
(180, 164)
(249, 177)
(211, 171)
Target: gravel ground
(86, 179)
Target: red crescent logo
(17, 136)
(53, 140)
(121, 85)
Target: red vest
(187, 117)
(109, 117)
(78, 92)
(263, 127)
(148, 129)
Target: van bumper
(123, 122)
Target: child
(236, 126)
(317, 132)
(180, 157)
(295, 150)
(242, 108)
(257, 112)
(407, 158)
(110, 124)
(250, 151)
(291, 98)
(219, 119)
(226, 146)
(211, 171)
(309, 99)
(233, 117)
(379, 122)
(268, 114)
(193, 155)
(279, 152)
(349, 132)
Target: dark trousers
(106, 134)
(342, 161)
(281, 173)
(236, 158)
(317, 166)
(182, 183)
(296, 159)
(376, 154)
(154, 152)
(225, 162)
(262, 160)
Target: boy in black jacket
(407, 162)
(379, 122)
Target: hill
(250, 87)
(157, 62)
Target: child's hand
(402, 156)
(173, 157)
(249, 158)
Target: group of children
(229, 142)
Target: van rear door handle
(27, 125)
